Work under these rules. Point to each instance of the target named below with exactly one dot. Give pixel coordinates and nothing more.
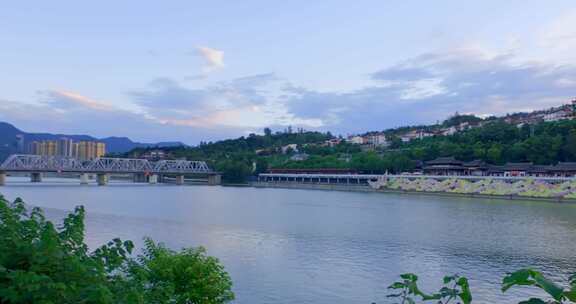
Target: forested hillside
(495, 142)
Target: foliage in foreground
(456, 289)
(41, 263)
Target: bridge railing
(39, 163)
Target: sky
(194, 71)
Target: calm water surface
(307, 246)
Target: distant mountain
(9, 132)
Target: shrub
(41, 263)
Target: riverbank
(364, 188)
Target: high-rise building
(100, 149)
(20, 148)
(65, 147)
(45, 147)
(83, 150)
(90, 150)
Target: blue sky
(207, 70)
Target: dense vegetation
(40, 263)
(456, 289)
(495, 142)
(498, 142)
(241, 157)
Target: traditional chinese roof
(517, 166)
(475, 163)
(540, 169)
(564, 166)
(440, 167)
(495, 169)
(444, 161)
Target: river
(311, 246)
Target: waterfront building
(511, 169)
(445, 166)
(45, 147)
(90, 150)
(20, 147)
(65, 147)
(313, 171)
(564, 169)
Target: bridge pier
(180, 180)
(139, 178)
(84, 179)
(36, 177)
(102, 179)
(2, 178)
(214, 179)
(153, 179)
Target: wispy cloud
(214, 58)
(67, 99)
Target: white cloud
(67, 99)
(244, 103)
(214, 58)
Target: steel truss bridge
(104, 165)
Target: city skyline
(196, 72)
(83, 150)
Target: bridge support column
(214, 179)
(139, 178)
(36, 177)
(2, 178)
(180, 180)
(102, 179)
(153, 179)
(84, 179)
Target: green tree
(494, 154)
(233, 171)
(40, 263)
(261, 166)
(569, 148)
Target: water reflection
(297, 246)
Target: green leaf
(409, 276)
(397, 285)
(571, 294)
(465, 294)
(448, 279)
(550, 287)
(520, 277)
(533, 301)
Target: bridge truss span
(39, 163)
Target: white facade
(377, 140)
(557, 115)
(286, 148)
(358, 140)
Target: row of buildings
(449, 166)
(83, 150)
(380, 139)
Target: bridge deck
(38, 163)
